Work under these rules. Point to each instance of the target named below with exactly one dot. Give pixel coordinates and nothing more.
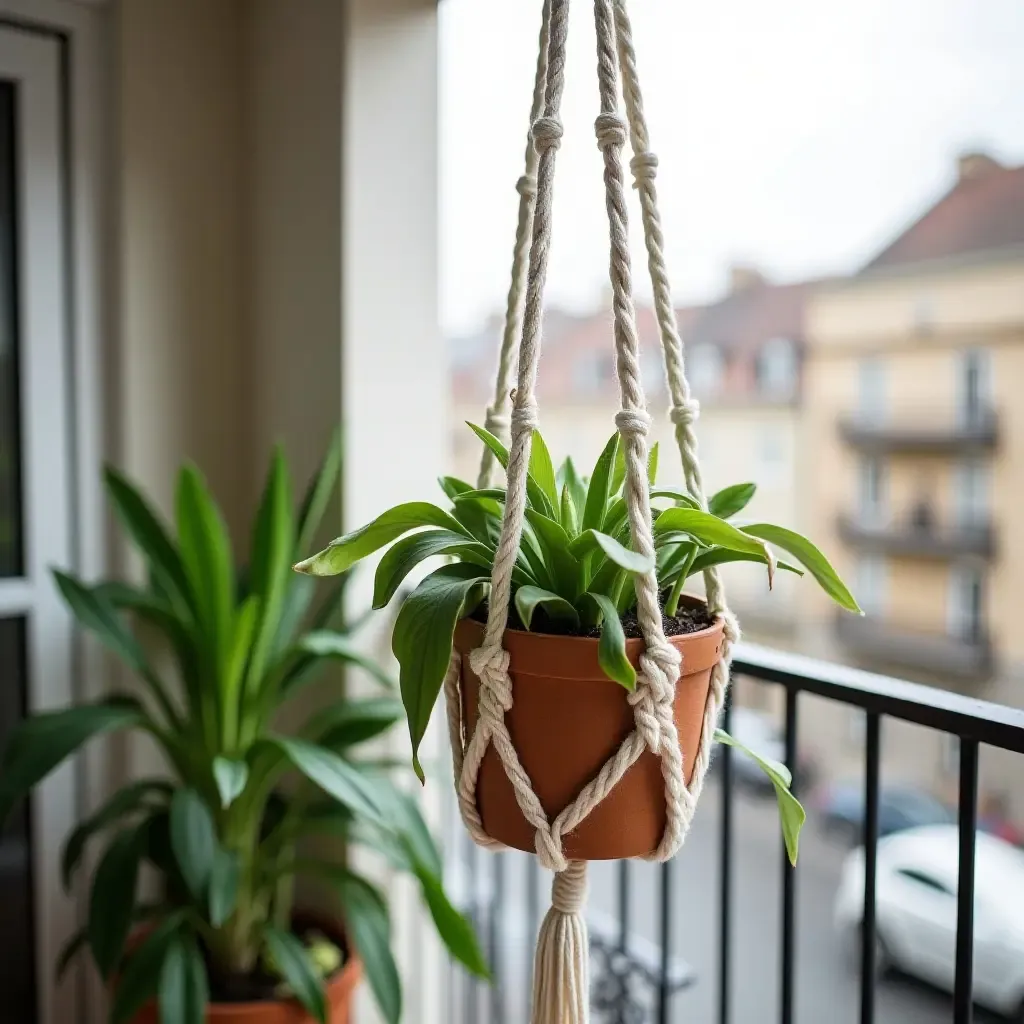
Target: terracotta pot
(567, 719)
(339, 990)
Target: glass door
(35, 509)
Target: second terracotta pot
(567, 719)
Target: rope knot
(569, 888)
(490, 666)
(610, 130)
(685, 414)
(549, 850)
(633, 422)
(644, 167)
(653, 700)
(547, 133)
(526, 186)
(524, 418)
(496, 422)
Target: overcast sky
(797, 135)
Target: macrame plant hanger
(560, 993)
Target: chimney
(742, 278)
(972, 166)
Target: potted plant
(573, 638)
(223, 941)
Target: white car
(915, 901)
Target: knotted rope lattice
(560, 975)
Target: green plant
(220, 828)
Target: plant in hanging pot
(573, 639)
(224, 827)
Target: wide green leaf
(422, 640)
(404, 820)
(618, 469)
(453, 486)
(534, 492)
(230, 777)
(720, 556)
(599, 488)
(404, 555)
(40, 743)
(455, 930)
(542, 469)
(184, 991)
(730, 500)
(611, 648)
(576, 487)
(139, 981)
(528, 599)
(594, 540)
(318, 494)
(791, 812)
(563, 566)
(325, 643)
(707, 529)
(679, 496)
(810, 557)
(141, 795)
(354, 721)
(225, 874)
(292, 961)
(193, 840)
(112, 899)
(344, 552)
(332, 773)
(567, 516)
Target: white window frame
(962, 579)
(872, 576)
(972, 492)
(981, 358)
(873, 491)
(871, 388)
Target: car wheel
(1017, 1016)
(884, 963)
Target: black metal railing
(638, 982)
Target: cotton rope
(562, 959)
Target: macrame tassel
(561, 967)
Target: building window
(974, 386)
(971, 495)
(871, 389)
(872, 583)
(706, 369)
(966, 609)
(872, 489)
(777, 368)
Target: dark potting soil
(690, 619)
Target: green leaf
(453, 486)
(730, 500)
(810, 557)
(528, 599)
(707, 529)
(40, 743)
(224, 878)
(667, 492)
(577, 488)
(567, 513)
(144, 794)
(184, 991)
(354, 721)
(193, 839)
(366, 917)
(112, 899)
(318, 495)
(456, 932)
(542, 469)
(611, 648)
(625, 558)
(562, 565)
(422, 640)
(69, 951)
(720, 556)
(138, 983)
(344, 552)
(404, 555)
(291, 959)
(791, 813)
(325, 643)
(534, 492)
(618, 470)
(333, 774)
(599, 488)
(652, 464)
(231, 777)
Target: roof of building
(982, 212)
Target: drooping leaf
(593, 540)
(534, 492)
(611, 648)
(730, 500)
(528, 599)
(404, 555)
(193, 840)
(422, 640)
(721, 556)
(231, 777)
(667, 492)
(225, 874)
(599, 488)
(318, 495)
(354, 721)
(344, 552)
(791, 812)
(291, 959)
(810, 557)
(453, 486)
(139, 981)
(455, 930)
(707, 529)
(403, 820)
(112, 899)
(184, 991)
(542, 469)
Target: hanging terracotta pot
(566, 720)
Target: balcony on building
(923, 433)
(918, 537)
(873, 639)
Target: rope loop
(610, 130)
(685, 413)
(644, 167)
(524, 418)
(548, 845)
(633, 422)
(526, 186)
(547, 133)
(569, 888)
(496, 421)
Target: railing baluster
(962, 994)
(788, 882)
(872, 755)
(473, 910)
(725, 882)
(623, 900)
(495, 920)
(664, 992)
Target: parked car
(915, 901)
(761, 733)
(841, 810)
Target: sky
(797, 136)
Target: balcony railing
(977, 433)
(871, 637)
(918, 540)
(643, 980)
